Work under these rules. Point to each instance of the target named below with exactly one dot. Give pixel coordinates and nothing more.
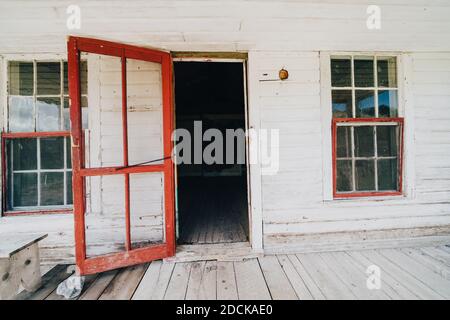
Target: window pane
(387, 141)
(48, 78)
(20, 78)
(52, 188)
(364, 73)
(343, 175)
(387, 174)
(83, 77)
(25, 189)
(365, 103)
(387, 103)
(387, 72)
(341, 72)
(21, 114)
(342, 103)
(344, 142)
(49, 115)
(364, 175)
(69, 188)
(24, 154)
(69, 154)
(364, 145)
(52, 153)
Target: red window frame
(18, 135)
(359, 194)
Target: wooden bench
(19, 264)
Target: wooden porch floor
(411, 273)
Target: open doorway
(212, 199)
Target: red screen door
(130, 169)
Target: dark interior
(211, 198)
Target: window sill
(37, 212)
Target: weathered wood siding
(296, 211)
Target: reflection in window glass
(364, 144)
(344, 142)
(342, 103)
(365, 103)
(48, 114)
(364, 73)
(387, 141)
(387, 103)
(48, 78)
(20, 80)
(21, 114)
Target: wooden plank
(99, 285)
(164, 276)
(324, 277)
(149, 281)
(125, 283)
(250, 281)
(208, 287)
(294, 278)
(443, 257)
(390, 285)
(226, 281)
(49, 283)
(407, 280)
(279, 286)
(176, 290)
(355, 278)
(312, 286)
(195, 280)
(419, 271)
(433, 264)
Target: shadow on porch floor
(411, 273)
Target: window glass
(24, 154)
(48, 114)
(48, 79)
(387, 174)
(387, 104)
(52, 153)
(25, 189)
(364, 175)
(387, 72)
(364, 73)
(364, 143)
(344, 142)
(341, 72)
(365, 103)
(21, 114)
(344, 175)
(20, 80)
(342, 103)
(52, 188)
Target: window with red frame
(37, 172)
(366, 127)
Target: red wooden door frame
(130, 256)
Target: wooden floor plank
(195, 280)
(423, 274)
(176, 290)
(390, 285)
(226, 281)
(387, 266)
(354, 278)
(279, 286)
(147, 286)
(312, 286)
(163, 281)
(125, 283)
(443, 257)
(433, 264)
(49, 283)
(99, 285)
(325, 278)
(296, 281)
(250, 281)
(208, 286)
